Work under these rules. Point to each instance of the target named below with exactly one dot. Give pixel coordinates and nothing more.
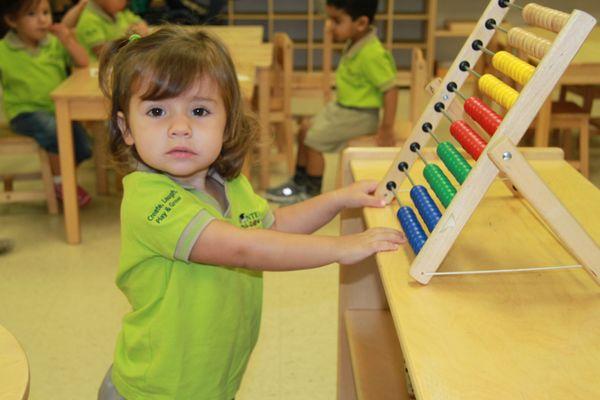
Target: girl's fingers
(386, 246)
(372, 201)
(369, 185)
(389, 234)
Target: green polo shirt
(365, 71)
(29, 75)
(191, 327)
(96, 27)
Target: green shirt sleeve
(161, 216)
(130, 17)
(380, 69)
(267, 216)
(90, 33)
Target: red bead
(468, 138)
(487, 118)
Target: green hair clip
(133, 37)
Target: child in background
(195, 237)
(105, 20)
(34, 56)
(365, 82)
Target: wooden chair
(280, 114)
(568, 117)
(13, 144)
(588, 94)
(280, 109)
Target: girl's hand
(360, 194)
(141, 28)
(357, 247)
(71, 17)
(62, 32)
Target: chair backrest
(418, 81)
(281, 73)
(327, 74)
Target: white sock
(57, 179)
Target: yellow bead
(513, 67)
(499, 91)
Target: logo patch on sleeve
(248, 220)
(164, 207)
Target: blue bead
(426, 206)
(412, 228)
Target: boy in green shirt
(365, 81)
(105, 20)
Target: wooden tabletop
(14, 368)
(527, 335)
(244, 44)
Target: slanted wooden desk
(530, 335)
(14, 368)
(79, 99)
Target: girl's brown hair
(13, 9)
(164, 65)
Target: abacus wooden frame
(508, 134)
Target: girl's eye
(200, 112)
(156, 112)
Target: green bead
(454, 161)
(439, 183)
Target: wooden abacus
(500, 154)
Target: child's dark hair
(356, 8)
(164, 65)
(13, 9)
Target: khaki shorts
(335, 125)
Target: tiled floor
(61, 303)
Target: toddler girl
(195, 237)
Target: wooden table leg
(66, 153)
(100, 135)
(542, 125)
(263, 117)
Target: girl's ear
(10, 22)
(125, 132)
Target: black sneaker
(287, 193)
(6, 245)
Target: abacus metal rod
(392, 188)
(420, 155)
(409, 178)
(475, 73)
(486, 50)
(428, 130)
(500, 271)
(501, 29)
(446, 115)
(462, 96)
(508, 3)
(492, 24)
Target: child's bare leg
(54, 164)
(314, 171)
(316, 162)
(302, 156)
